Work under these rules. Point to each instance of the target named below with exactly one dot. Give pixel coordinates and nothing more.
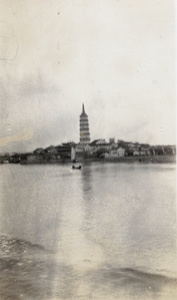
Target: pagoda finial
(83, 109)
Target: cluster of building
(85, 149)
(113, 149)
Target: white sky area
(115, 56)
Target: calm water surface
(105, 232)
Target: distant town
(100, 149)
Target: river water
(107, 231)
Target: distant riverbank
(124, 159)
(144, 159)
(120, 159)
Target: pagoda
(84, 127)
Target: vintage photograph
(88, 150)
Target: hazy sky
(116, 56)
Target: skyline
(115, 56)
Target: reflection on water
(105, 232)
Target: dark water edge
(29, 272)
(121, 159)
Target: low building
(169, 150)
(136, 152)
(34, 158)
(100, 144)
(143, 152)
(112, 153)
(39, 151)
(15, 158)
(64, 150)
(121, 151)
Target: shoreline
(159, 159)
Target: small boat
(76, 167)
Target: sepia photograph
(88, 205)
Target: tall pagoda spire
(84, 127)
(83, 111)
